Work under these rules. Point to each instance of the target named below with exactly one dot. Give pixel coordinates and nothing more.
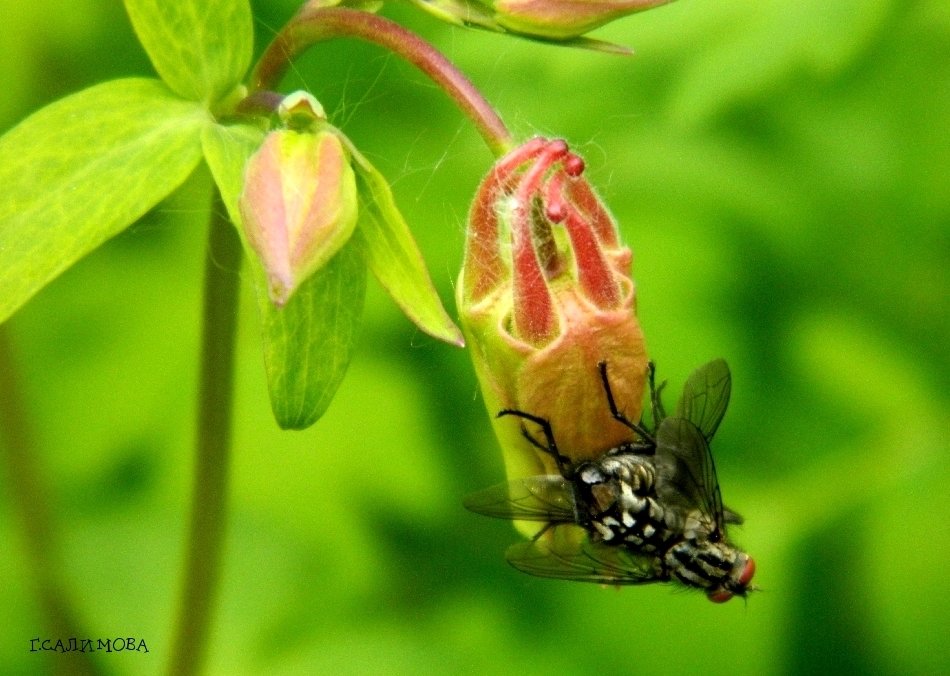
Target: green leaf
(391, 253)
(80, 170)
(200, 48)
(308, 343)
(227, 149)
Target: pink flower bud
(545, 295)
(564, 19)
(558, 20)
(299, 204)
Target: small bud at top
(301, 111)
(562, 20)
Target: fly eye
(748, 570)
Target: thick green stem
(28, 495)
(315, 24)
(212, 448)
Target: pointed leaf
(227, 149)
(200, 48)
(77, 172)
(308, 342)
(391, 253)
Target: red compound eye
(746, 577)
(741, 584)
(719, 596)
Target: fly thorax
(697, 526)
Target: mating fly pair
(647, 511)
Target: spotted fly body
(648, 510)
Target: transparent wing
(706, 397)
(730, 516)
(547, 497)
(574, 557)
(686, 471)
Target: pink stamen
(534, 316)
(573, 165)
(487, 267)
(534, 319)
(593, 271)
(553, 199)
(582, 195)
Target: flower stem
(212, 446)
(314, 24)
(28, 496)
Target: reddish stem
(260, 102)
(315, 24)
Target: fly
(646, 511)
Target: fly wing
(547, 497)
(573, 556)
(706, 396)
(686, 471)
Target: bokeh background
(781, 171)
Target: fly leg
(563, 462)
(656, 404)
(620, 417)
(537, 536)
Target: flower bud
(560, 20)
(299, 204)
(564, 19)
(545, 295)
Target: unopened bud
(564, 19)
(299, 204)
(559, 20)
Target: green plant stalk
(28, 495)
(315, 24)
(202, 570)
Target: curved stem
(260, 102)
(212, 446)
(29, 496)
(314, 24)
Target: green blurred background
(781, 171)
